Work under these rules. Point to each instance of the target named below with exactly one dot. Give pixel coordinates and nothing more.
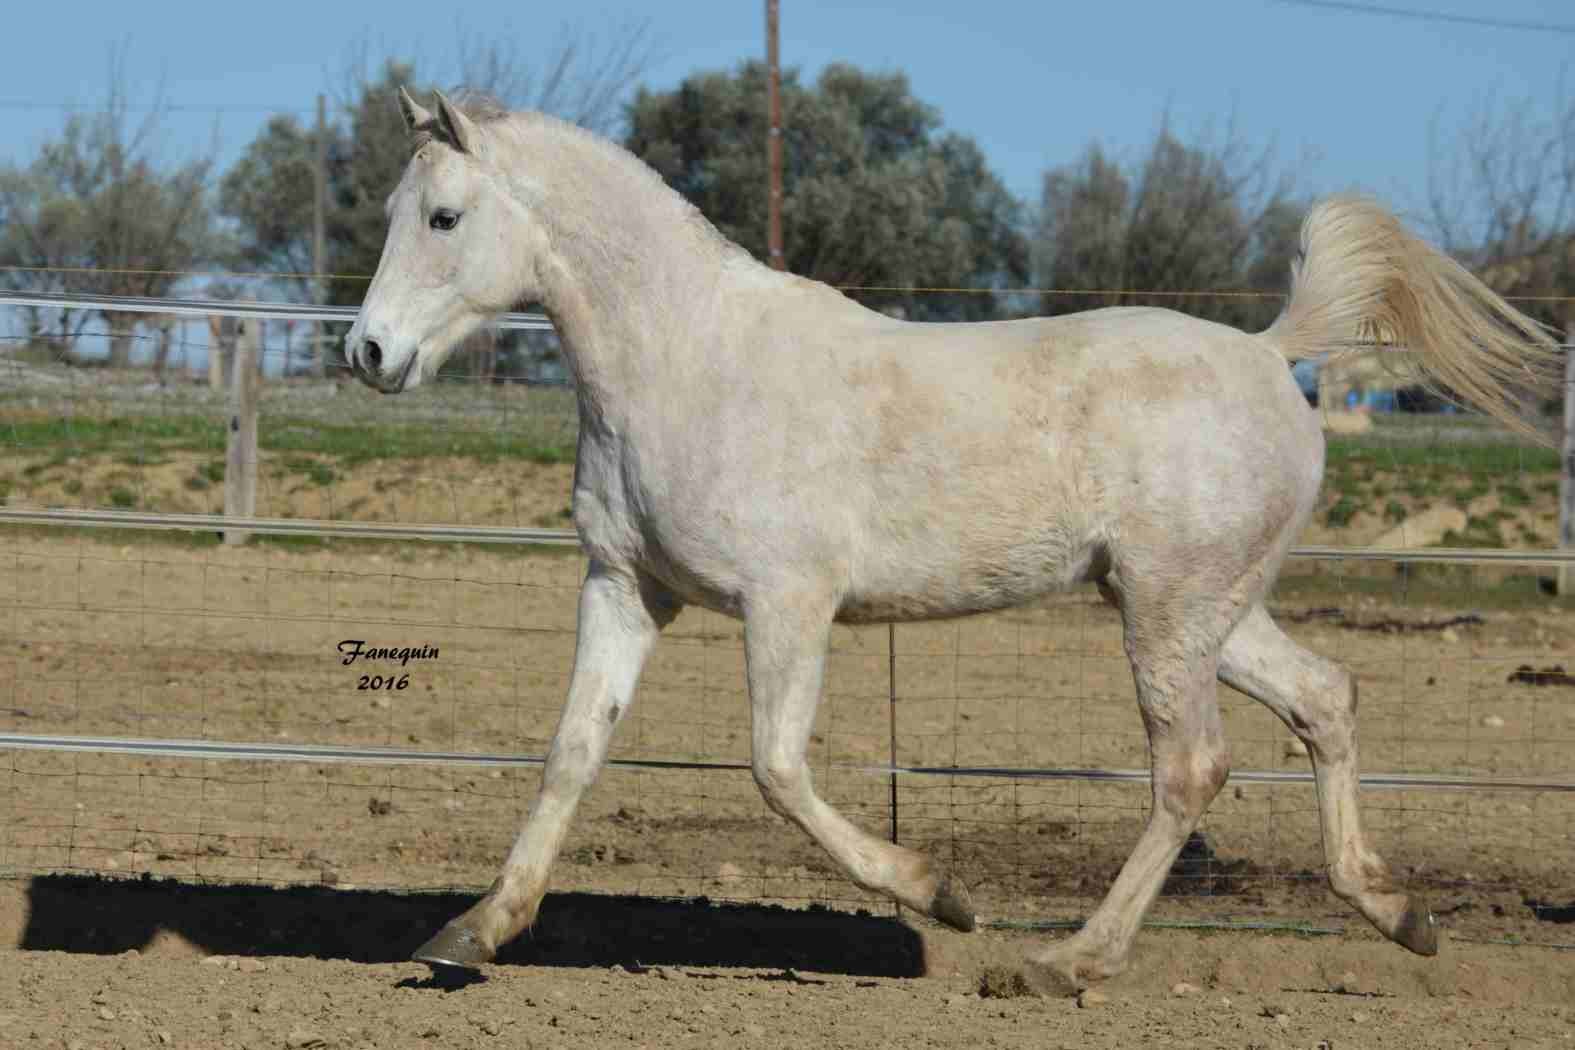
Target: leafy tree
(1188, 218)
(269, 192)
(874, 193)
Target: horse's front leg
(620, 616)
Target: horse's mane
(490, 113)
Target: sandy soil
(604, 972)
(145, 638)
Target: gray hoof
(1417, 930)
(952, 905)
(454, 947)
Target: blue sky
(1348, 100)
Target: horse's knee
(781, 782)
(1190, 779)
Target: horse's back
(1016, 458)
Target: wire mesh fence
(141, 636)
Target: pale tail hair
(1362, 277)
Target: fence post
(240, 448)
(1566, 578)
(891, 721)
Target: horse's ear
(415, 116)
(458, 129)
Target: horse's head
(458, 252)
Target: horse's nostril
(373, 354)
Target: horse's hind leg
(785, 640)
(1174, 652)
(1316, 698)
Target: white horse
(760, 445)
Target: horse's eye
(443, 219)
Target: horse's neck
(629, 284)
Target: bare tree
(94, 212)
(1502, 199)
(583, 78)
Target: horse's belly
(977, 582)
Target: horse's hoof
(952, 905)
(1418, 930)
(455, 948)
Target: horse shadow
(90, 914)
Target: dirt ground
(317, 878)
(611, 972)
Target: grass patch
(1513, 495)
(153, 436)
(318, 472)
(1416, 586)
(72, 487)
(122, 497)
(1341, 512)
(1486, 458)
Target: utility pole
(774, 140)
(319, 205)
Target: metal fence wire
(175, 707)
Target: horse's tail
(1361, 277)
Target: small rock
(214, 960)
(105, 1014)
(305, 1039)
(1295, 748)
(1183, 988)
(1492, 722)
(252, 965)
(729, 873)
(232, 964)
(1360, 1017)
(1450, 635)
(1347, 983)
(1283, 1020)
(490, 1026)
(163, 1036)
(1092, 997)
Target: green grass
(1513, 495)
(318, 472)
(1418, 586)
(122, 497)
(1346, 453)
(1341, 512)
(151, 436)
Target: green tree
(269, 192)
(874, 193)
(1189, 218)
